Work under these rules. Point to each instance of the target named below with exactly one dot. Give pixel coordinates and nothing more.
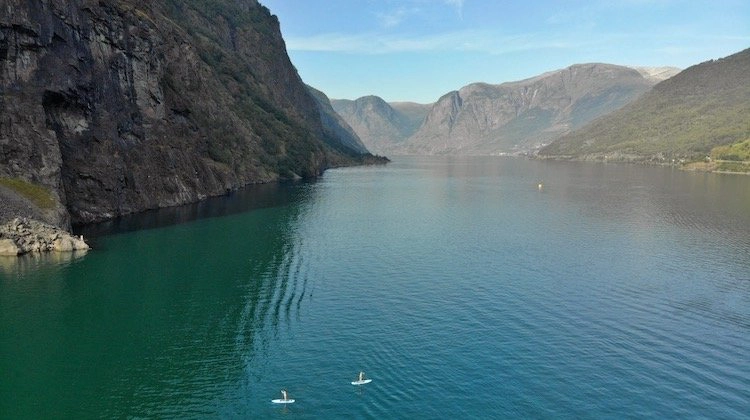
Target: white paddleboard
(280, 401)
(362, 382)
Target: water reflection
(15, 267)
(258, 298)
(239, 201)
(650, 195)
(274, 296)
(153, 322)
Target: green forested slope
(684, 117)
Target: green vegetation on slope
(684, 117)
(732, 158)
(731, 166)
(737, 152)
(286, 145)
(36, 193)
(241, 43)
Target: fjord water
(461, 287)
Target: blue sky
(418, 50)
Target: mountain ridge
(378, 123)
(507, 118)
(519, 116)
(681, 118)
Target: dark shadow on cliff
(242, 200)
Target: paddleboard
(280, 401)
(362, 382)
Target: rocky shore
(23, 235)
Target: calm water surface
(460, 287)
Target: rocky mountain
(520, 116)
(383, 127)
(116, 106)
(412, 114)
(657, 74)
(681, 118)
(336, 128)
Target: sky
(419, 50)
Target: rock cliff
(118, 106)
(334, 126)
(521, 116)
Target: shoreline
(24, 228)
(695, 166)
(23, 235)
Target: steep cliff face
(519, 116)
(334, 126)
(120, 106)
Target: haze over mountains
(383, 127)
(513, 117)
(585, 111)
(683, 117)
(334, 126)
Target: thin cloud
(414, 9)
(395, 17)
(487, 41)
(458, 4)
(469, 40)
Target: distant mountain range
(514, 117)
(381, 126)
(681, 118)
(657, 74)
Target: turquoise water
(457, 284)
